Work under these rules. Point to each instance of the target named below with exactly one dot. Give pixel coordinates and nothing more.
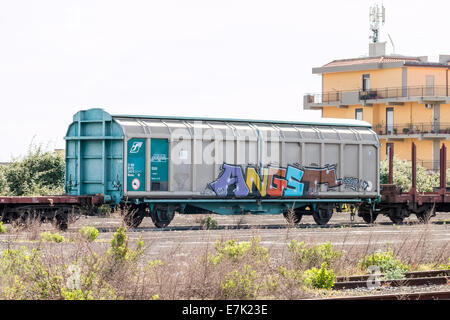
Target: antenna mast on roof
(376, 17)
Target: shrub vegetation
(89, 233)
(321, 278)
(426, 179)
(387, 264)
(39, 172)
(55, 237)
(209, 223)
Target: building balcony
(428, 130)
(391, 95)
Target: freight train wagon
(156, 166)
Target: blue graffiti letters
(294, 186)
(230, 182)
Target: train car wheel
(366, 212)
(293, 216)
(162, 216)
(61, 222)
(134, 217)
(323, 214)
(396, 220)
(368, 217)
(397, 215)
(424, 215)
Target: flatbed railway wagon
(156, 166)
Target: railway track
(259, 226)
(434, 295)
(422, 278)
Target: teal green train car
(156, 166)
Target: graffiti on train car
(355, 183)
(274, 181)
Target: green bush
(386, 262)
(209, 223)
(426, 180)
(76, 294)
(4, 186)
(119, 249)
(89, 233)
(240, 284)
(103, 210)
(3, 228)
(292, 278)
(286, 283)
(55, 237)
(322, 278)
(24, 276)
(39, 172)
(234, 251)
(307, 257)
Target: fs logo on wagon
(136, 147)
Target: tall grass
(222, 267)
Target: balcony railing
(413, 128)
(400, 92)
(432, 165)
(380, 93)
(326, 97)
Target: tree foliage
(39, 172)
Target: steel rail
(434, 295)
(409, 275)
(392, 283)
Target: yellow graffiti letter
(254, 178)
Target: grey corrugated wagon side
(161, 165)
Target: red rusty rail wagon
(398, 205)
(48, 208)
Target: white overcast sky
(245, 58)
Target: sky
(211, 58)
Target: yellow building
(406, 99)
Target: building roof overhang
(374, 63)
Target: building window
(388, 147)
(366, 82)
(430, 85)
(358, 114)
(390, 121)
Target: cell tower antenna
(392, 42)
(377, 17)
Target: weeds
(445, 266)
(240, 284)
(307, 257)
(234, 251)
(103, 210)
(209, 223)
(3, 228)
(89, 233)
(119, 249)
(55, 237)
(24, 276)
(289, 283)
(387, 264)
(84, 269)
(322, 278)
